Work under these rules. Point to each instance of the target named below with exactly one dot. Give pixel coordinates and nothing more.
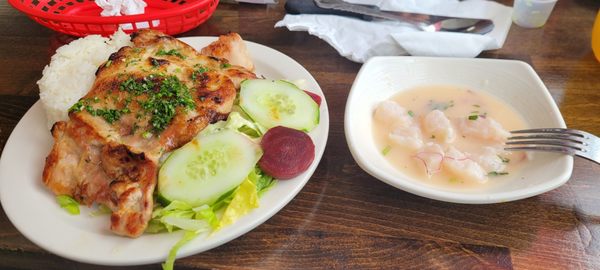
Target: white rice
(70, 74)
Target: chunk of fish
(483, 128)
(431, 156)
(408, 137)
(391, 113)
(438, 126)
(490, 160)
(461, 166)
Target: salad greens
(101, 210)
(209, 218)
(68, 203)
(230, 206)
(188, 236)
(236, 121)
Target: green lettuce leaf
(188, 236)
(208, 214)
(235, 121)
(224, 200)
(101, 210)
(263, 181)
(68, 203)
(178, 215)
(245, 198)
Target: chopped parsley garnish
(411, 113)
(158, 95)
(473, 117)
(154, 62)
(497, 173)
(132, 62)
(454, 180)
(386, 150)
(137, 88)
(225, 65)
(163, 95)
(108, 63)
(199, 70)
(442, 106)
(110, 115)
(170, 52)
(504, 160)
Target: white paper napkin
(359, 40)
(121, 7)
(125, 7)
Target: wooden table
(344, 218)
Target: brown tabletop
(345, 218)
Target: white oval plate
(514, 82)
(33, 210)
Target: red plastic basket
(82, 17)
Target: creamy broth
(462, 107)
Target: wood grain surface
(344, 218)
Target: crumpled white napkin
(125, 7)
(359, 40)
(121, 7)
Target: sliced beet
(287, 152)
(315, 97)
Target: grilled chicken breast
(147, 100)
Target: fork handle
(309, 7)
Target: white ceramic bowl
(515, 82)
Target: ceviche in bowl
(160, 148)
(438, 127)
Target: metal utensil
(567, 141)
(429, 23)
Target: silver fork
(562, 140)
(428, 23)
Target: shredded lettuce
(208, 214)
(188, 236)
(155, 226)
(236, 121)
(186, 223)
(224, 200)
(263, 181)
(245, 198)
(68, 203)
(178, 215)
(101, 210)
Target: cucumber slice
(278, 103)
(202, 170)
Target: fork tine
(556, 149)
(554, 136)
(574, 132)
(568, 141)
(559, 142)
